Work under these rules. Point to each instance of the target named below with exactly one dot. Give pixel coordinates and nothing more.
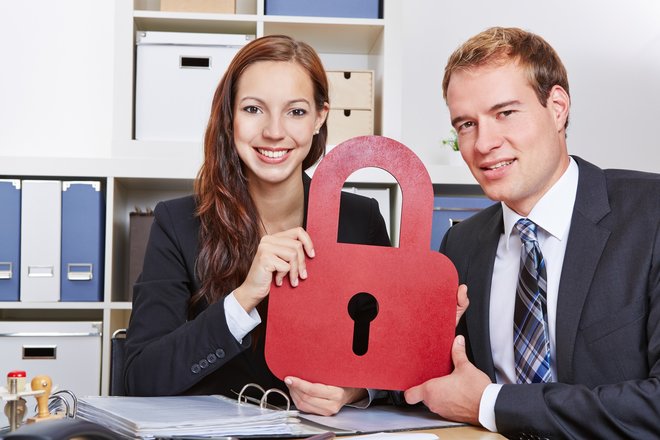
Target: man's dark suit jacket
(167, 354)
(608, 313)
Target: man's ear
(560, 104)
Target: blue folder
(449, 210)
(10, 239)
(83, 237)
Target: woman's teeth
(273, 154)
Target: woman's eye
(298, 112)
(251, 109)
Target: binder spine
(83, 235)
(10, 234)
(40, 240)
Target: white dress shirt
(552, 214)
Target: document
(381, 418)
(176, 416)
(198, 416)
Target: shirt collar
(553, 212)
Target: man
(562, 335)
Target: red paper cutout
(309, 331)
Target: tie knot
(527, 230)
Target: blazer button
(220, 353)
(211, 358)
(203, 363)
(195, 368)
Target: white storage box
(68, 352)
(176, 76)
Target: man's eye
(465, 125)
(506, 113)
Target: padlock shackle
(379, 152)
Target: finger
(309, 388)
(305, 397)
(290, 250)
(302, 236)
(462, 302)
(458, 354)
(414, 395)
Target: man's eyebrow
(504, 104)
(494, 108)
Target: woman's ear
(560, 103)
(321, 116)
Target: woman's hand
(325, 400)
(277, 255)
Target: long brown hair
(229, 222)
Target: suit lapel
(585, 245)
(478, 279)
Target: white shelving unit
(139, 173)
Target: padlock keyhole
(362, 308)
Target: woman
(196, 325)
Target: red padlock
(310, 333)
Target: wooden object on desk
(46, 384)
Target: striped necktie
(531, 342)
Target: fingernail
(294, 282)
(312, 254)
(288, 381)
(303, 274)
(460, 339)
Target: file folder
(10, 239)
(41, 218)
(83, 236)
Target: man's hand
(462, 301)
(456, 396)
(325, 400)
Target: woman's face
(275, 118)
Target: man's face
(513, 145)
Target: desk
(464, 433)
(452, 433)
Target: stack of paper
(153, 417)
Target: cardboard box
(176, 76)
(215, 6)
(346, 124)
(326, 8)
(351, 89)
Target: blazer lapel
(586, 242)
(478, 279)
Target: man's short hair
(498, 46)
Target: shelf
(52, 305)
(349, 36)
(195, 22)
(163, 166)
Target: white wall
(56, 80)
(611, 50)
